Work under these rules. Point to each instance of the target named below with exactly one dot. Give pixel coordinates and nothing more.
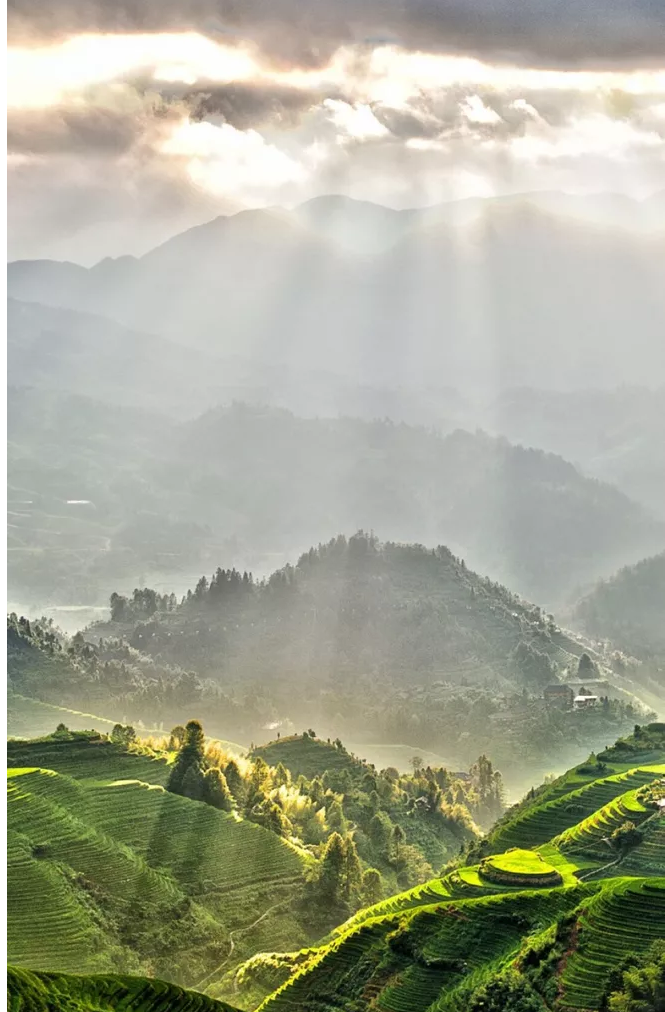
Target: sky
(130, 121)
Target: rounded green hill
(521, 868)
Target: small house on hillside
(584, 702)
(559, 695)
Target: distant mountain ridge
(522, 288)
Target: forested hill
(349, 608)
(629, 609)
(376, 642)
(253, 487)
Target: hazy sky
(131, 120)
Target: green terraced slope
(28, 991)
(431, 948)
(434, 957)
(551, 816)
(407, 963)
(649, 857)
(103, 860)
(626, 915)
(126, 875)
(592, 835)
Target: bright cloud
(223, 160)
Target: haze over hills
(629, 609)
(470, 298)
(115, 496)
(381, 643)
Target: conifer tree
(399, 836)
(176, 737)
(190, 756)
(372, 887)
(193, 783)
(277, 822)
(352, 871)
(234, 780)
(216, 790)
(331, 873)
(281, 775)
(335, 817)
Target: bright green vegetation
(555, 807)
(28, 991)
(549, 925)
(592, 836)
(119, 844)
(107, 860)
(626, 915)
(127, 876)
(432, 811)
(649, 857)
(440, 953)
(542, 822)
(519, 868)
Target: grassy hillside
(309, 757)
(120, 866)
(531, 926)
(441, 953)
(31, 718)
(29, 991)
(126, 875)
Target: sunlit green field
(112, 863)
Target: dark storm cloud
(559, 33)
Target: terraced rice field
(28, 991)
(542, 822)
(88, 761)
(425, 957)
(519, 867)
(592, 835)
(86, 854)
(625, 916)
(649, 857)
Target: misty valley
(336, 609)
